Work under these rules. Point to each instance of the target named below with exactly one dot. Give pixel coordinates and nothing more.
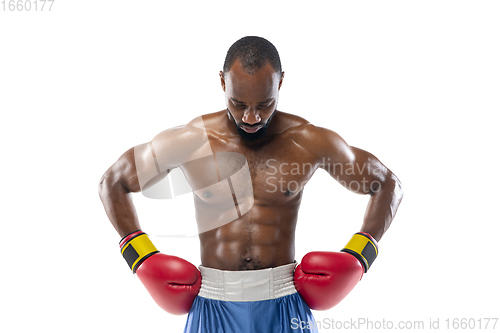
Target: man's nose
(251, 116)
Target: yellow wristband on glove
(135, 248)
(363, 247)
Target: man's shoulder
(188, 137)
(210, 120)
(298, 127)
(287, 123)
(194, 131)
(199, 125)
(308, 135)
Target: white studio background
(415, 83)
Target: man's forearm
(118, 204)
(382, 207)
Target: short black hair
(253, 52)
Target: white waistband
(244, 286)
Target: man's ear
(222, 81)
(281, 80)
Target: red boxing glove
(323, 279)
(172, 282)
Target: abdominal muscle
(262, 238)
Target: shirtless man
(249, 278)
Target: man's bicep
(146, 164)
(139, 167)
(354, 168)
(170, 149)
(334, 153)
(133, 170)
(369, 172)
(148, 171)
(179, 145)
(122, 173)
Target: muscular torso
(279, 167)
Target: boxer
(249, 280)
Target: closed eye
(239, 105)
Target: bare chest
(278, 170)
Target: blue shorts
(263, 301)
(269, 316)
